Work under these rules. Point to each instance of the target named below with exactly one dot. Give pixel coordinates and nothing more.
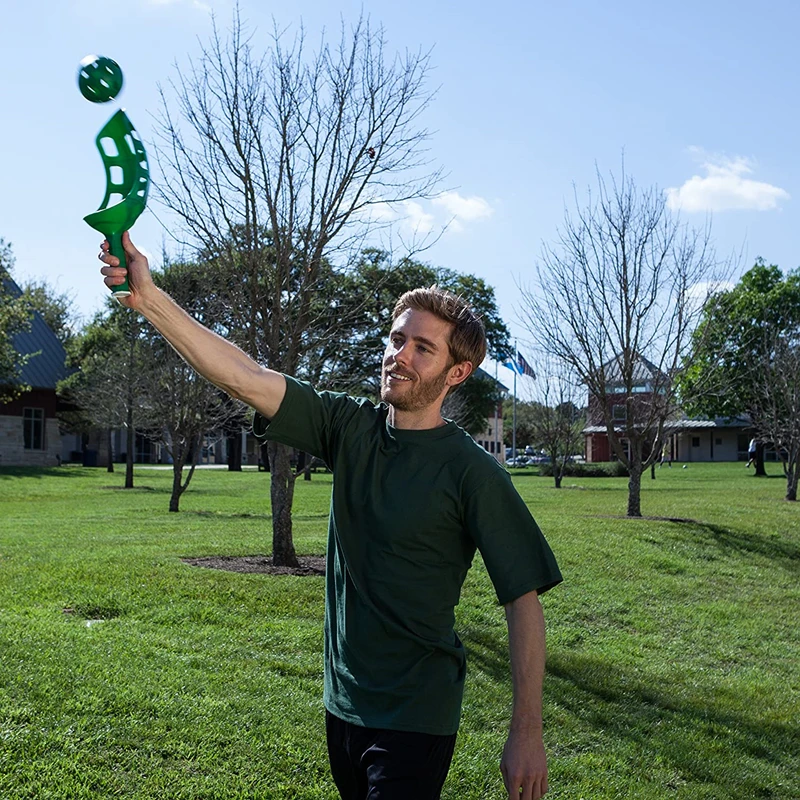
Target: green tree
(15, 317)
(745, 351)
(108, 384)
(57, 308)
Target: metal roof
(48, 366)
(677, 425)
(482, 373)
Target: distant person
(413, 498)
(666, 454)
(752, 448)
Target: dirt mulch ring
(309, 565)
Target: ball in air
(99, 79)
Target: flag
(520, 366)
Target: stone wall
(12, 451)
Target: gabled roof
(643, 370)
(45, 369)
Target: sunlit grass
(674, 665)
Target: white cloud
(463, 209)
(724, 187)
(416, 218)
(421, 218)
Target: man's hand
(524, 765)
(138, 272)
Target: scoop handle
(116, 249)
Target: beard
(415, 396)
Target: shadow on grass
(738, 752)
(771, 546)
(231, 515)
(42, 472)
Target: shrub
(604, 469)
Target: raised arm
(524, 764)
(215, 358)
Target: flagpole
(514, 426)
(497, 440)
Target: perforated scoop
(127, 182)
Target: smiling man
(413, 499)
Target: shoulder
(477, 467)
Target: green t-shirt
(409, 508)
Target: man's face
(417, 361)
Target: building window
(619, 413)
(33, 428)
(717, 441)
(695, 441)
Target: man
(413, 498)
(752, 450)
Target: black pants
(378, 764)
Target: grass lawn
(673, 664)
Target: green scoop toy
(127, 175)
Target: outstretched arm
(524, 764)
(215, 358)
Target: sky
(533, 98)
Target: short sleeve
(517, 556)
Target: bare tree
(273, 162)
(775, 381)
(556, 419)
(617, 299)
(179, 407)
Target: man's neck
(422, 420)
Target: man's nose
(402, 353)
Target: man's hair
(468, 337)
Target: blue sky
(701, 97)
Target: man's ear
(459, 373)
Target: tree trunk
(634, 489)
(760, 471)
(282, 493)
(177, 478)
(791, 482)
(653, 471)
(557, 479)
(235, 452)
(131, 444)
(110, 445)
(304, 465)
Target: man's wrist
(526, 723)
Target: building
(491, 438)
(686, 440)
(29, 431)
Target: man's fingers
(114, 276)
(525, 788)
(128, 246)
